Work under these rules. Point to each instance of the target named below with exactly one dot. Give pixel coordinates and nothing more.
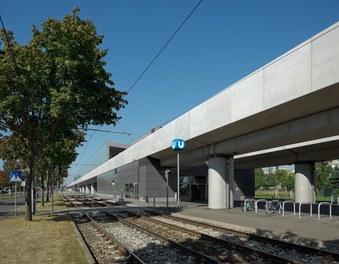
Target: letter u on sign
(178, 144)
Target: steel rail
(238, 247)
(122, 248)
(301, 248)
(202, 257)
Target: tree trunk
(28, 194)
(42, 190)
(52, 191)
(48, 185)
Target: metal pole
(167, 192)
(166, 176)
(178, 179)
(15, 198)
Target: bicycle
(272, 206)
(248, 204)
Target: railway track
(220, 251)
(84, 201)
(149, 237)
(103, 247)
(289, 251)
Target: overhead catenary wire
(108, 131)
(8, 42)
(162, 49)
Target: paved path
(306, 230)
(8, 207)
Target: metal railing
(330, 206)
(305, 203)
(259, 201)
(283, 207)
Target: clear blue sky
(221, 43)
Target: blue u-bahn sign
(178, 144)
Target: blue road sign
(15, 176)
(178, 144)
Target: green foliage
(335, 178)
(288, 182)
(323, 172)
(274, 178)
(51, 87)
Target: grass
(46, 239)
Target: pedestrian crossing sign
(15, 176)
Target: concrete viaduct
(285, 112)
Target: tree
(4, 179)
(323, 173)
(54, 85)
(8, 166)
(289, 182)
(281, 175)
(58, 154)
(335, 178)
(260, 178)
(11, 154)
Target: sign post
(178, 145)
(15, 176)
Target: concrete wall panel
(325, 60)
(198, 120)
(288, 78)
(247, 97)
(219, 110)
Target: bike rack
(300, 208)
(329, 204)
(283, 207)
(256, 203)
(278, 203)
(332, 199)
(251, 199)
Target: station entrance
(193, 188)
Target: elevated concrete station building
(286, 112)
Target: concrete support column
(304, 182)
(229, 183)
(92, 188)
(88, 188)
(220, 182)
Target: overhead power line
(8, 41)
(162, 49)
(108, 131)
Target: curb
(85, 248)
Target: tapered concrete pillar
(304, 182)
(92, 188)
(220, 182)
(88, 188)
